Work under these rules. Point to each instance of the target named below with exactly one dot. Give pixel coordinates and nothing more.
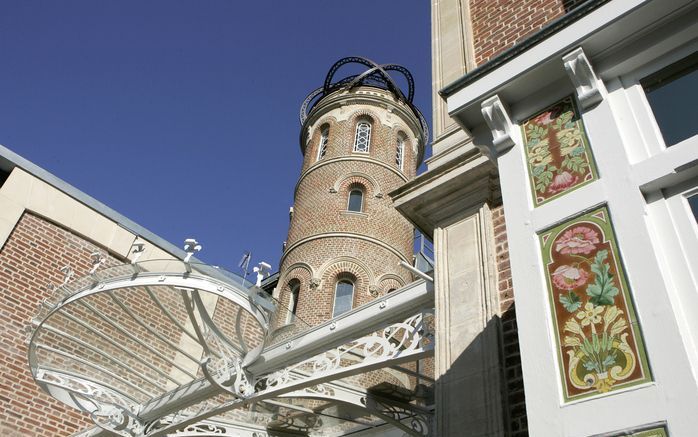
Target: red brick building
(506, 199)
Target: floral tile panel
(600, 347)
(655, 432)
(646, 431)
(558, 155)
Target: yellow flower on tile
(591, 314)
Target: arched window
(363, 137)
(400, 153)
(356, 199)
(324, 139)
(295, 292)
(343, 297)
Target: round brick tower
(361, 138)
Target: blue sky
(183, 115)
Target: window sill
(354, 214)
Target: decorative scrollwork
(419, 422)
(301, 422)
(108, 409)
(118, 420)
(398, 339)
(206, 429)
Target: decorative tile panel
(600, 347)
(654, 432)
(558, 155)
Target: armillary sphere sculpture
(376, 76)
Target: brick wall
(30, 259)
(320, 207)
(499, 24)
(515, 402)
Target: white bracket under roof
(498, 120)
(587, 85)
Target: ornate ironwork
(82, 352)
(398, 339)
(377, 76)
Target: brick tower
(361, 138)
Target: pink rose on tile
(562, 181)
(544, 118)
(568, 277)
(580, 239)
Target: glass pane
(343, 297)
(672, 93)
(398, 157)
(293, 306)
(693, 203)
(363, 137)
(355, 197)
(323, 144)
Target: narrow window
(356, 198)
(400, 153)
(363, 137)
(343, 297)
(693, 203)
(293, 302)
(324, 139)
(672, 93)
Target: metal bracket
(97, 260)
(68, 274)
(191, 246)
(137, 250)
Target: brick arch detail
(388, 281)
(400, 129)
(371, 186)
(313, 138)
(350, 128)
(411, 151)
(301, 272)
(341, 265)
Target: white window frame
(361, 204)
(322, 147)
(400, 153)
(664, 175)
(645, 137)
(294, 296)
(336, 288)
(361, 146)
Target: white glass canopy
(174, 348)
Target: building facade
(575, 108)
(561, 196)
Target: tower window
(400, 153)
(356, 200)
(343, 297)
(324, 139)
(293, 301)
(363, 137)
